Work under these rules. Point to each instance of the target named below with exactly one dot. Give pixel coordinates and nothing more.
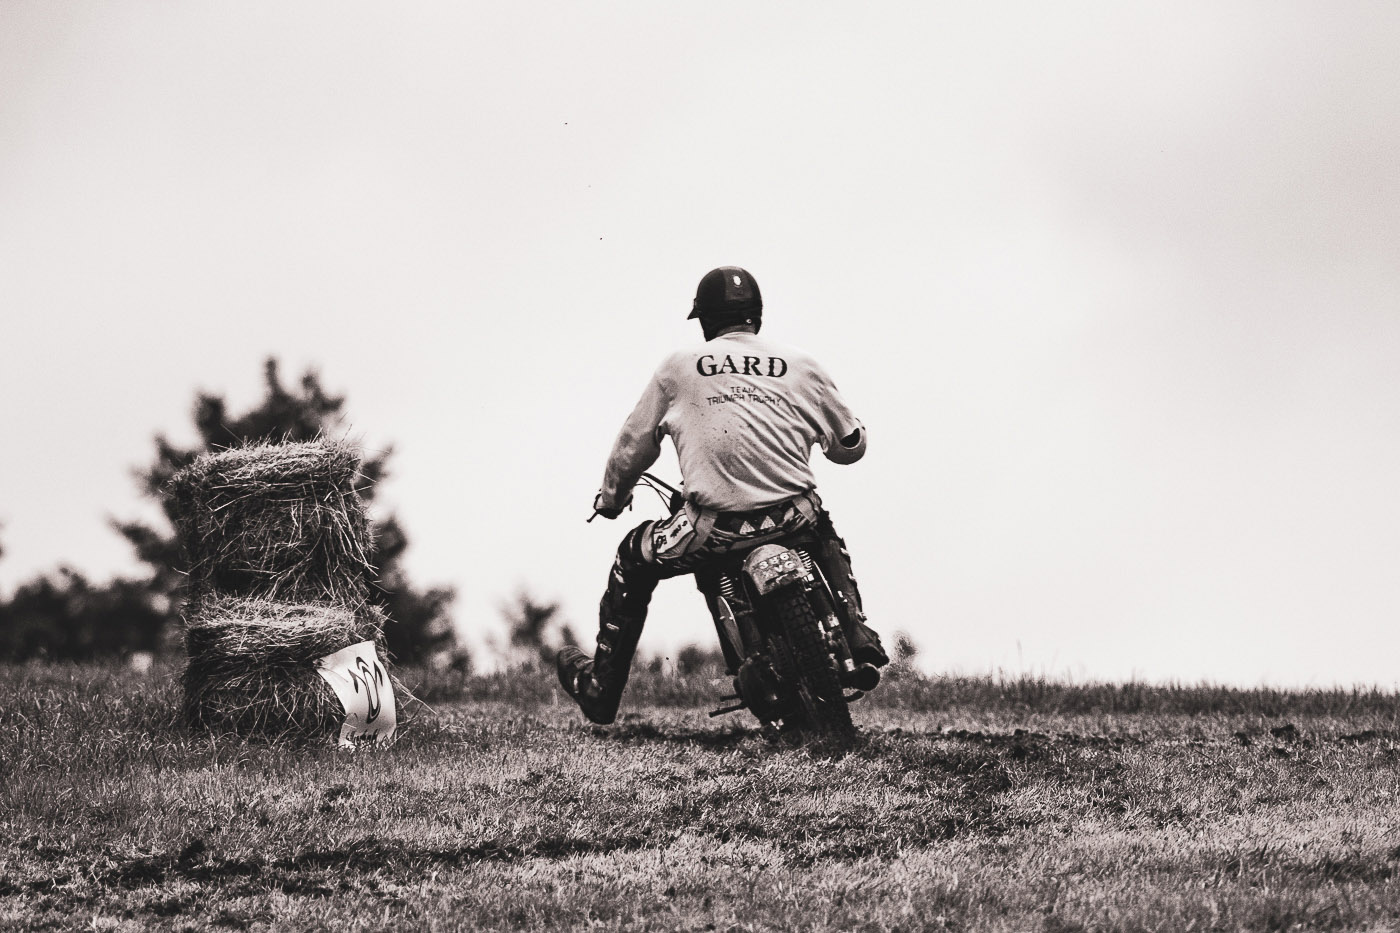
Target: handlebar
(663, 484)
(657, 485)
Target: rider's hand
(612, 511)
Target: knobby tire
(828, 711)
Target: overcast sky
(1115, 287)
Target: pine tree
(536, 630)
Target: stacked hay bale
(278, 547)
(277, 521)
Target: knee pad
(629, 553)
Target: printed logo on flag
(365, 691)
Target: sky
(1114, 287)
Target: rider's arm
(637, 446)
(847, 449)
(843, 436)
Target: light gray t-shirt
(744, 413)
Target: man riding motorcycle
(743, 413)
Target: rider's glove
(612, 511)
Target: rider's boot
(865, 644)
(596, 683)
(863, 640)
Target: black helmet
(727, 293)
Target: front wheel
(820, 699)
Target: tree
(535, 629)
(693, 659)
(420, 624)
(64, 617)
(904, 647)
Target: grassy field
(965, 804)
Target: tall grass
(909, 690)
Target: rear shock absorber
(743, 615)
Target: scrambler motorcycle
(779, 628)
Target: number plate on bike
(772, 566)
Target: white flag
(365, 691)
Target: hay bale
(252, 664)
(280, 521)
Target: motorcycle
(780, 631)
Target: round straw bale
(281, 521)
(252, 664)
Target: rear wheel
(809, 670)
